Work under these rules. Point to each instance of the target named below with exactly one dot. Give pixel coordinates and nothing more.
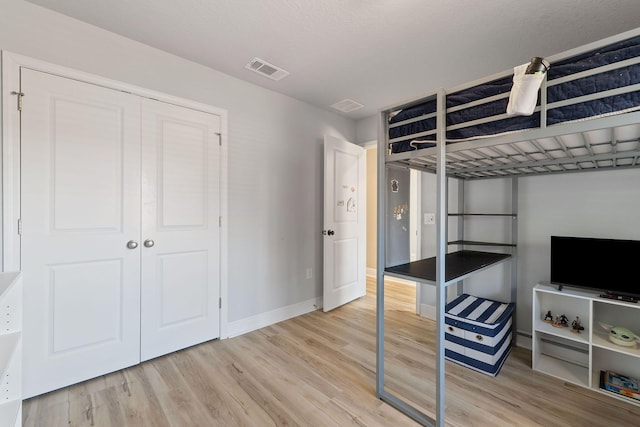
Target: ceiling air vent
(347, 105)
(268, 70)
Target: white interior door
(344, 222)
(80, 205)
(181, 231)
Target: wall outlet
(309, 273)
(429, 218)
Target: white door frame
(11, 64)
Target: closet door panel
(80, 148)
(182, 176)
(177, 304)
(87, 168)
(180, 271)
(91, 314)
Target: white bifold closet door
(102, 173)
(180, 228)
(80, 204)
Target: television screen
(607, 265)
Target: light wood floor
(319, 370)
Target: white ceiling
(376, 52)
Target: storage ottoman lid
(479, 311)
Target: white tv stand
(579, 357)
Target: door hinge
(19, 227)
(219, 139)
(20, 96)
(219, 221)
(220, 302)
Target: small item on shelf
(564, 321)
(576, 326)
(620, 384)
(621, 336)
(548, 317)
(561, 321)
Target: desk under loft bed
(587, 118)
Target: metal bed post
(514, 254)
(381, 252)
(441, 249)
(461, 208)
(441, 215)
(389, 398)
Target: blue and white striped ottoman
(478, 333)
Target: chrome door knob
(149, 243)
(132, 244)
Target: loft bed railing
(603, 143)
(586, 118)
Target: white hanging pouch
(524, 92)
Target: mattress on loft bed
(414, 127)
(456, 117)
(612, 79)
(478, 332)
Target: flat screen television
(606, 265)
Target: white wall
(275, 151)
(367, 129)
(489, 196)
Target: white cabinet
(579, 357)
(10, 349)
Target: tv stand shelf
(579, 358)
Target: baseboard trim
(524, 340)
(428, 311)
(243, 326)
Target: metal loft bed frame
(609, 141)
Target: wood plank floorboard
(319, 370)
